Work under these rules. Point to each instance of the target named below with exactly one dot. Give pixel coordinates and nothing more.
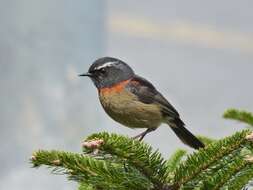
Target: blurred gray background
(199, 54)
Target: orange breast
(115, 88)
(124, 107)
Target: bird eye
(102, 70)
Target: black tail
(177, 125)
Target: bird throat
(116, 88)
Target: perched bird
(133, 101)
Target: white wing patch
(108, 64)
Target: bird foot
(143, 134)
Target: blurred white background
(199, 54)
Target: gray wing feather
(148, 94)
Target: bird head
(108, 71)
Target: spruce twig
(115, 162)
(243, 116)
(136, 153)
(201, 160)
(99, 173)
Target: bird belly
(125, 108)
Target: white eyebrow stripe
(108, 64)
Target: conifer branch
(101, 174)
(175, 159)
(206, 140)
(239, 180)
(115, 162)
(215, 177)
(243, 116)
(205, 158)
(136, 153)
(85, 186)
(217, 166)
(173, 162)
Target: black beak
(86, 75)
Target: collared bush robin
(133, 101)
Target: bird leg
(143, 134)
